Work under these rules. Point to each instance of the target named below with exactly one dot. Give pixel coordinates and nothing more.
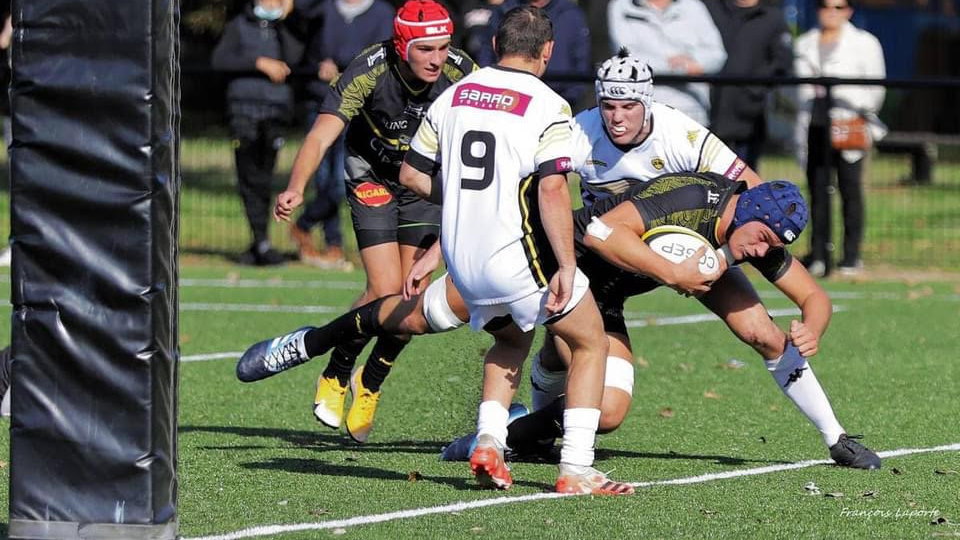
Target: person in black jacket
(758, 43)
(257, 50)
(571, 51)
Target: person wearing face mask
(257, 50)
(381, 96)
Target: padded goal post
(95, 184)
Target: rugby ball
(677, 244)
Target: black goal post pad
(95, 183)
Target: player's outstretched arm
(321, 137)
(815, 308)
(423, 267)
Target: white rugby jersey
(676, 144)
(494, 134)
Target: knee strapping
(619, 374)
(436, 309)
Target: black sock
(381, 360)
(343, 359)
(361, 322)
(528, 431)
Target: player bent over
(746, 225)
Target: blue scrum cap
(777, 204)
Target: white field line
(358, 286)
(210, 356)
(271, 284)
(650, 321)
(266, 530)
(708, 317)
(259, 308)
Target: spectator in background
(337, 32)
(758, 43)
(257, 50)
(476, 25)
(836, 48)
(571, 51)
(674, 37)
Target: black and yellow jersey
(381, 110)
(692, 200)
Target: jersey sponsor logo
(712, 197)
(692, 136)
(564, 165)
(736, 169)
(597, 162)
(657, 163)
(396, 124)
(372, 195)
(789, 236)
(381, 54)
(457, 58)
(479, 96)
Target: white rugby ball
(677, 244)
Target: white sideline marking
(650, 321)
(460, 506)
(271, 284)
(708, 317)
(211, 356)
(259, 308)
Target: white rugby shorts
(529, 310)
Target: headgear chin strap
(777, 204)
(419, 20)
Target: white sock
(545, 385)
(492, 420)
(795, 378)
(579, 434)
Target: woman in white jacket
(836, 49)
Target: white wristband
(599, 229)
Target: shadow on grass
(317, 466)
(321, 442)
(314, 440)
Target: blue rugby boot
(273, 356)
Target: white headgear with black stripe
(626, 77)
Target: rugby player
(751, 225)
(381, 96)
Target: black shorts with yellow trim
(385, 212)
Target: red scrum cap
(419, 20)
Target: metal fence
(912, 188)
